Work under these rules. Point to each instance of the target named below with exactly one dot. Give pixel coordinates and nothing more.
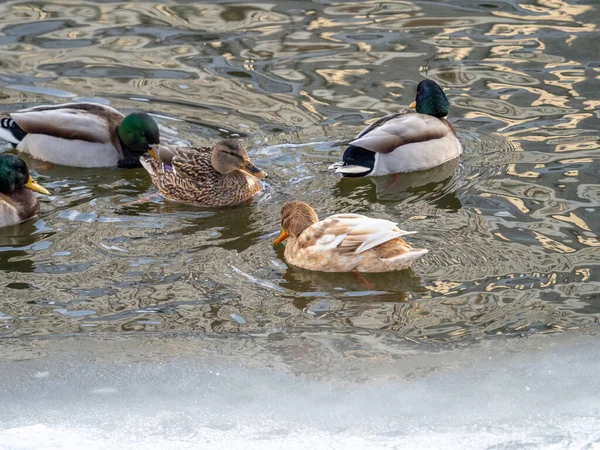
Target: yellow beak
(282, 237)
(413, 105)
(152, 152)
(31, 184)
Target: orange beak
(282, 237)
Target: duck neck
(26, 201)
(129, 159)
(237, 186)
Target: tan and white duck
(343, 242)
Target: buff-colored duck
(343, 242)
(18, 203)
(399, 143)
(81, 134)
(218, 176)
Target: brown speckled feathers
(186, 174)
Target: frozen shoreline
(300, 391)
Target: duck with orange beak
(343, 242)
(219, 176)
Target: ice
(302, 392)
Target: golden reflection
(566, 77)
(574, 219)
(269, 75)
(512, 170)
(516, 202)
(589, 143)
(551, 244)
(336, 76)
(494, 287)
(589, 241)
(585, 274)
(443, 287)
(551, 281)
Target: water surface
(511, 228)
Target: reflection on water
(511, 226)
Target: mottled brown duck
(218, 176)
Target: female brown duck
(221, 176)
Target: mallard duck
(17, 200)
(400, 143)
(81, 134)
(218, 176)
(343, 242)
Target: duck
(219, 176)
(405, 142)
(18, 202)
(343, 242)
(86, 135)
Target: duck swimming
(18, 203)
(343, 242)
(218, 176)
(403, 142)
(81, 134)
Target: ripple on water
(510, 226)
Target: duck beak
(413, 105)
(253, 170)
(282, 237)
(153, 151)
(34, 186)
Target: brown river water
(512, 229)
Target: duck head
(228, 155)
(14, 174)
(138, 132)
(295, 218)
(431, 100)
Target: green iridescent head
(14, 174)
(138, 132)
(431, 99)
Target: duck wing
(188, 162)
(89, 122)
(392, 131)
(350, 233)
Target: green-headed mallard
(17, 200)
(403, 142)
(81, 134)
(343, 242)
(219, 176)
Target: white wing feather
(355, 231)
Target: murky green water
(513, 230)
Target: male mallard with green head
(17, 200)
(400, 143)
(218, 176)
(81, 134)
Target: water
(118, 317)
(511, 229)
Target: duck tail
(10, 131)
(147, 163)
(408, 257)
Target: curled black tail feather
(10, 131)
